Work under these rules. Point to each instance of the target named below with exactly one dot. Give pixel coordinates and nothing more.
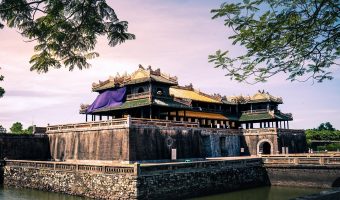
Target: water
(262, 193)
(29, 194)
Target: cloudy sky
(175, 36)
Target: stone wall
(197, 179)
(304, 175)
(163, 181)
(253, 137)
(220, 145)
(100, 144)
(141, 142)
(94, 185)
(294, 140)
(24, 147)
(155, 143)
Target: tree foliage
(297, 37)
(66, 31)
(325, 131)
(326, 126)
(17, 128)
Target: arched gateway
(264, 146)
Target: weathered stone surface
(93, 185)
(200, 181)
(304, 175)
(24, 147)
(106, 144)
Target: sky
(175, 36)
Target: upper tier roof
(259, 97)
(187, 92)
(139, 76)
(190, 93)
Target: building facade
(148, 93)
(147, 116)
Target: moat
(261, 193)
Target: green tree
(65, 31)
(297, 37)
(29, 130)
(326, 126)
(17, 128)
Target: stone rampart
(94, 181)
(320, 171)
(132, 139)
(172, 180)
(26, 147)
(184, 180)
(145, 181)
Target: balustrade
(71, 167)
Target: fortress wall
(155, 143)
(24, 147)
(162, 181)
(295, 140)
(196, 179)
(304, 175)
(88, 184)
(102, 144)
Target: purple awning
(108, 98)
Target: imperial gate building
(146, 115)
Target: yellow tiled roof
(140, 75)
(204, 115)
(192, 94)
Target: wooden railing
(303, 160)
(96, 168)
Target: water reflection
(28, 194)
(263, 193)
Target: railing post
(136, 169)
(296, 161)
(128, 121)
(322, 161)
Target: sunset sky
(176, 36)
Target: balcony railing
(141, 95)
(113, 123)
(256, 111)
(63, 166)
(303, 160)
(118, 123)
